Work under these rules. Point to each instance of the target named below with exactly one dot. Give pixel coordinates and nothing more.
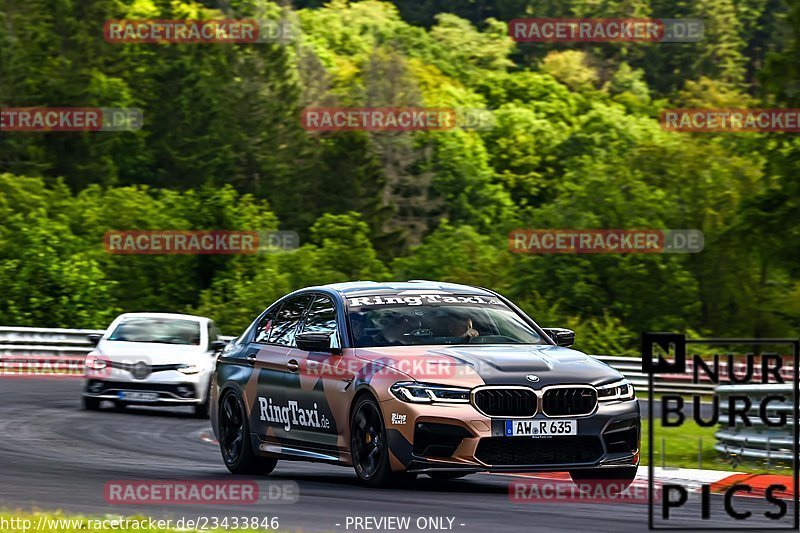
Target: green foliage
(575, 143)
(571, 68)
(47, 280)
(457, 254)
(340, 251)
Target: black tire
(234, 439)
(90, 404)
(369, 447)
(446, 476)
(612, 480)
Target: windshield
(158, 330)
(434, 320)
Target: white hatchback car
(153, 359)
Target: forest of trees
(576, 144)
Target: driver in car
(394, 331)
(459, 327)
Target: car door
(273, 411)
(268, 356)
(317, 389)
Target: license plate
(537, 428)
(138, 396)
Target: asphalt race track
(55, 456)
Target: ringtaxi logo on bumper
(752, 406)
(70, 119)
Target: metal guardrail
(12, 335)
(18, 342)
(51, 343)
(631, 368)
(47, 343)
(759, 440)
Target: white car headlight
(620, 390)
(189, 369)
(413, 392)
(94, 362)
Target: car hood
(507, 364)
(149, 352)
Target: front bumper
(186, 391)
(458, 438)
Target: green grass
(678, 447)
(692, 446)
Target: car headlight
(621, 390)
(411, 391)
(94, 362)
(189, 369)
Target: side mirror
(216, 346)
(561, 336)
(94, 338)
(310, 341)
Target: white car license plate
(139, 396)
(536, 428)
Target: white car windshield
(157, 330)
